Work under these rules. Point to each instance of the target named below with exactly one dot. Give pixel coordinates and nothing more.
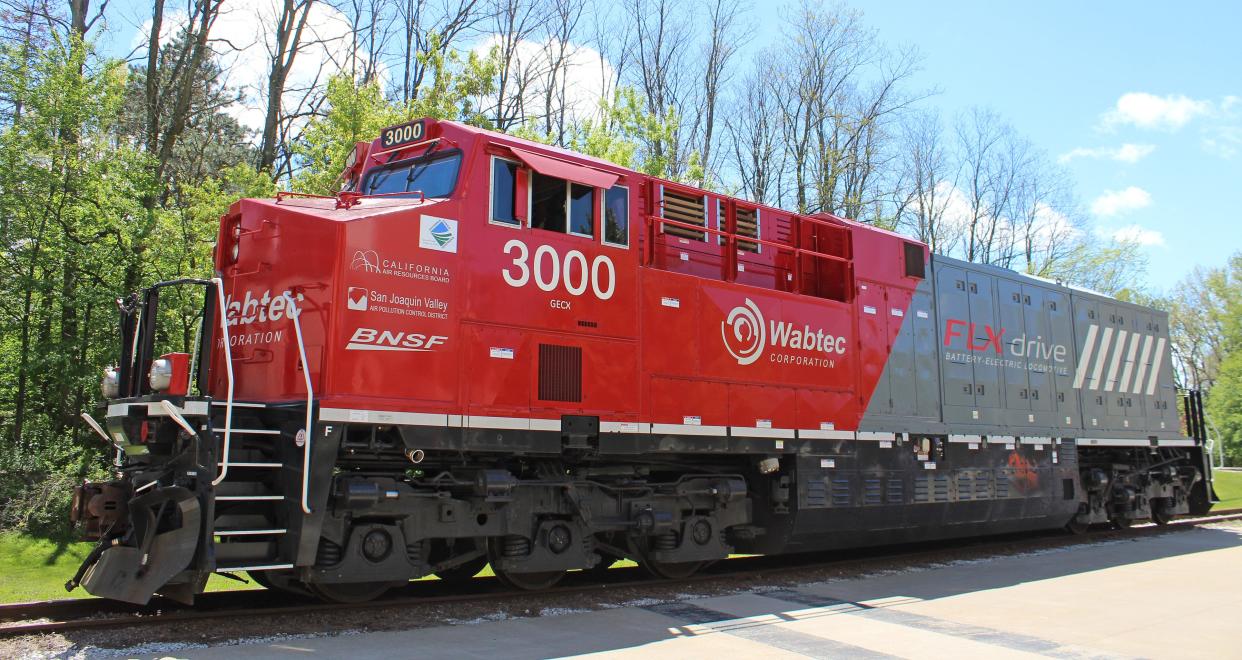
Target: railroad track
(86, 613)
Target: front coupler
(151, 537)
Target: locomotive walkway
(1169, 595)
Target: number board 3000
(395, 136)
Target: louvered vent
(1069, 452)
(816, 494)
(895, 492)
(1003, 477)
(841, 490)
(747, 225)
(687, 209)
(965, 485)
(873, 490)
(560, 373)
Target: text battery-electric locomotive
(486, 350)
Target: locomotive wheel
(1121, 523)
(520, 581)
(666, 570)
(350, 592)
(1077, 528)
(529, 581)
(671, 570)
(281, 581)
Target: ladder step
(248, 498)
(252, 465)
(262, 567)
(248, 532)
(250, 431)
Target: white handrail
(296, 314)
(228, 367)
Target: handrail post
(228, 369)
(296, 314)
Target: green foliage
(1224, 404)
(356, 113)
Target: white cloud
(586, 76)
(1150, 111)
(1114, 202)
(1126, 153)
(1141, 235)
(1224, 141)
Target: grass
(1228, 487)
(36, 568)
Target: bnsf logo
(370, 339)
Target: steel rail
(20, 615)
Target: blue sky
(1056, 70)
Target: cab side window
(504, 191)
(617, 216)
(581, 210)
(547, 202)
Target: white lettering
(260, 308)
(548, 277)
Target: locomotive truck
(485, 350)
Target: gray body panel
(987, 351)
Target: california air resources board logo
(437, 233)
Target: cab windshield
(433, 176)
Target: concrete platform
(1177, 595)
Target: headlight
(161, 374)
(110, 386)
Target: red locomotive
(486, 350)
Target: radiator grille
(560, 373)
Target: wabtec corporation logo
(747, 336)
(370, 339)
(259, 308)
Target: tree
(284, 44)
(355, 111)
